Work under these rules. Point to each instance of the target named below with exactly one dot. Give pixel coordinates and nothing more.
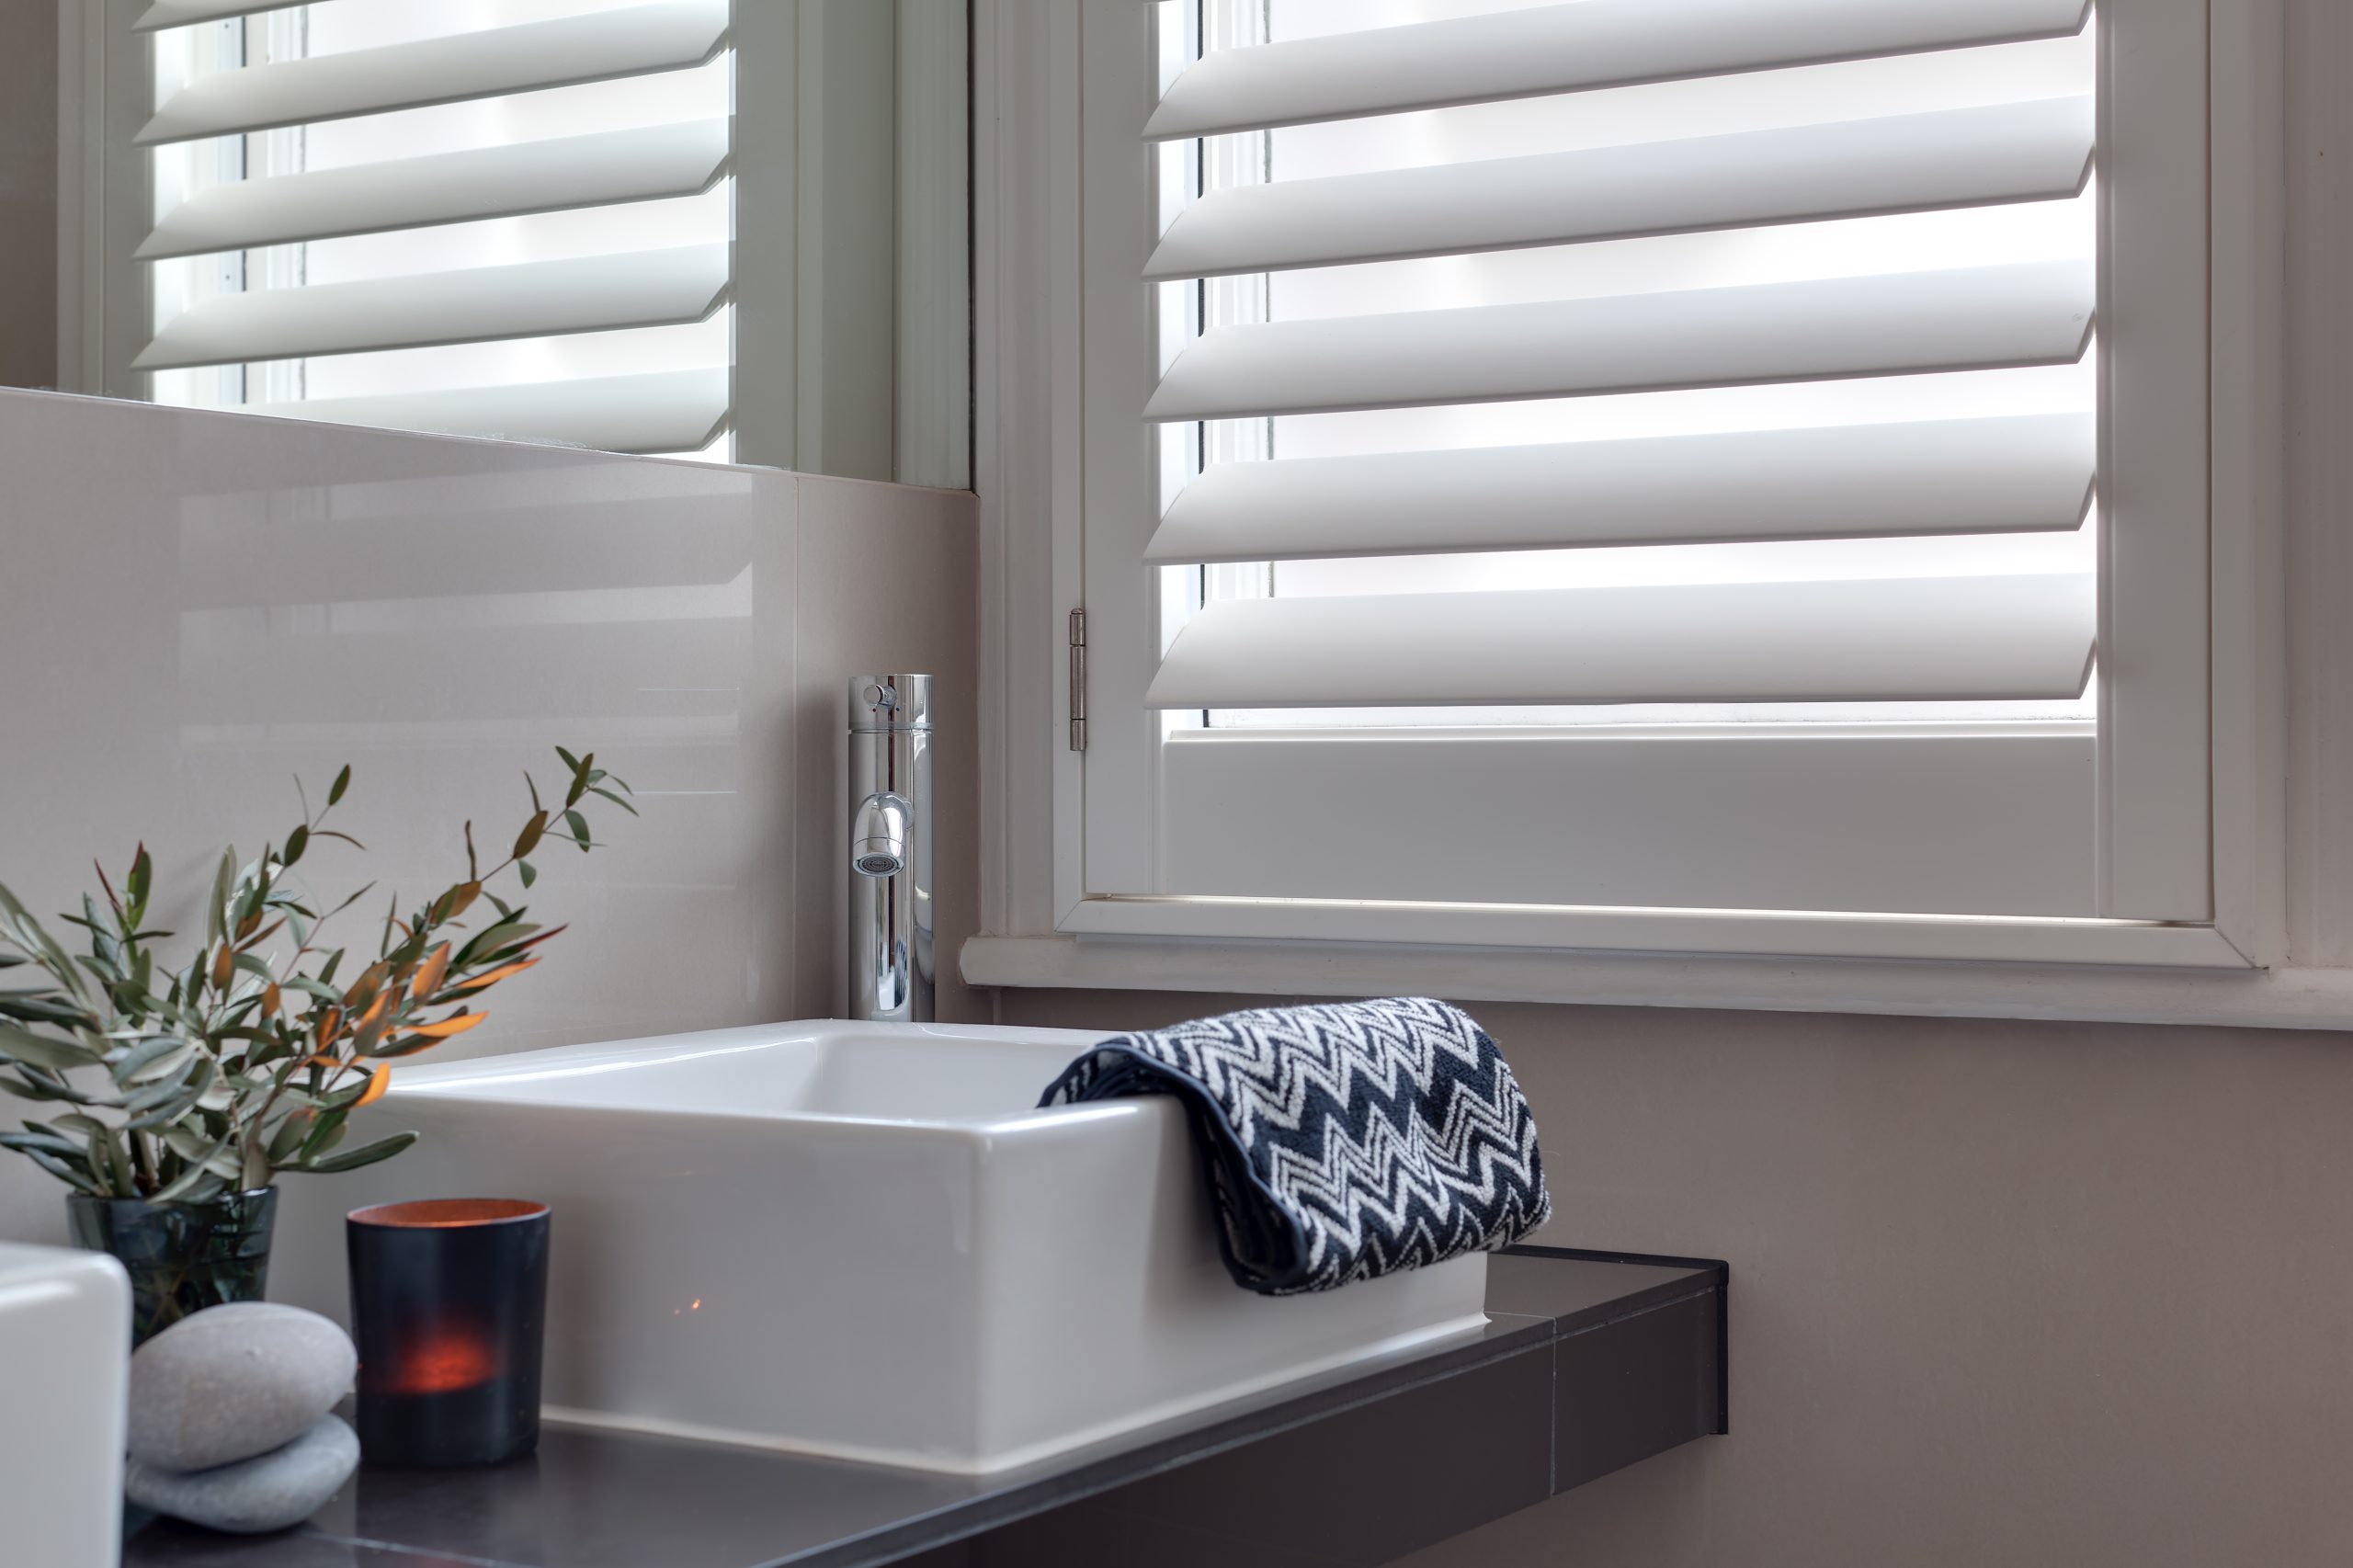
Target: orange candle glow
(441, 1361)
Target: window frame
(2215, 899)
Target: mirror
(684, 227)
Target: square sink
(859, 1240)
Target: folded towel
(1342, 1141)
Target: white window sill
(2279, 998)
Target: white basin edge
(464, 1079)
(904, 1459)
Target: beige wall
(2002, 1293)
(27, 193)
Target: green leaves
(216, 908)
(288, 1138)
(195, 1182)
(106, 1159)
(145, 1061)
(137, 885)
(37, 1084)
(43, 1007)
(220, 1066)
(26, 934)
(67, 1159)
(607, 794)
(578, 766)
(177, 1102)
(20, 1044)
(366, 1155)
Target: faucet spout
(878, 835)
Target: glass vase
(182, 1257)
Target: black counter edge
(1718, 1268)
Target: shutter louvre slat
(1572, 47)
(672, 36)
(1894, 324)
(2010, 152)
(1928, 640)
(480, 305)
(180, 12)
(668, 411)
(2027, 474)
(563, 173)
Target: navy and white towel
(1342, 1141)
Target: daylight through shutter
(1569, 285)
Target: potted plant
(185, 1091)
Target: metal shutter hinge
(1078, 680)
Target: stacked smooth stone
(229, 1423)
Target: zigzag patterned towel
(1342, 1141)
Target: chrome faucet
(891, 965)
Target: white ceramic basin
(65, 1318)
(858, 1239)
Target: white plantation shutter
(334, 265)
(1734, 644)
(1763, 350)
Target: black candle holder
(448, 1307)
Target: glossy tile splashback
(195, 608)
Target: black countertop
(1588, 1362)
